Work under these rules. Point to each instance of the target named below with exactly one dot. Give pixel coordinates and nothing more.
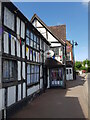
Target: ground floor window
(32, 74)
(9, 70)
(56, 76)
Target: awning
(53, 63)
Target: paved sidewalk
(58, 103)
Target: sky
(73, 14)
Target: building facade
(56, 58)
(21, 58)
(60, 31)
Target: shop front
(56, 73)
(56, 77)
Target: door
(69, 74)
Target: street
(59, 103)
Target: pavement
(59, 103)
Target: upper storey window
(9, 19)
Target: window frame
(10, 79)
(33, 74)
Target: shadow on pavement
(52, 104)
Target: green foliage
(78, 65)
(86, 61)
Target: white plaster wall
(42, 30)
(13, 45)
(41, 83)
(51, 38)
(23, 50)
(19, 70)
(6, 42)
(11, 95)
(24, 90)
(23, 70)
(55, 44)
(19, 92)
(32, 90)
(2, 98)
(18, 48)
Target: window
(13, 40)
(9, 19)
(68, 56)
(32, 74)
(31, 54)
(9, 70)
(22, 29)
(31, 35)
(56, 51)
(28, 74)
(70, 71)
(27, 40)
(27, 33)
(34, 55)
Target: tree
(86, 62)
(78, 65)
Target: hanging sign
(49, 54)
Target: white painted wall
(23, 50)
(13, 45)
(24, 90)
(23, 70)
(2, 98)
(11, 95)
(19, 70)
(18, 47)
(32, 90)
(42, 30)
(6, 42)
(19, 92)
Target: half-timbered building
(55, 57)
(22, 58)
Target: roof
(53, 63)
(53, 33)
(69, 46)
(59, 31)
